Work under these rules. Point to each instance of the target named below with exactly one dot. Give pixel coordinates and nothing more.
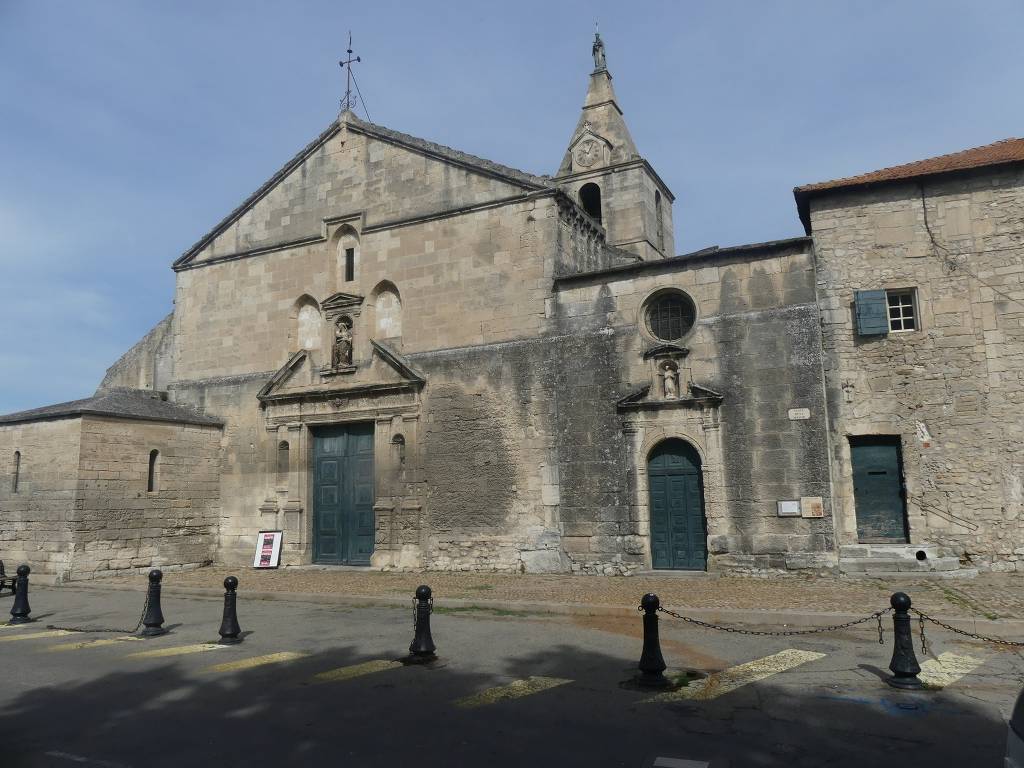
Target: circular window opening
(671, 315)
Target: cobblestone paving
(987, 596)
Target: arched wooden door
(678, 529)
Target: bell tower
(604, 172)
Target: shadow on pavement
(405, 716)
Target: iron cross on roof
(350, 100)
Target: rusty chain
(142, 618)
(923, 617)
(877, 615)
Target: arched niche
(307, 323)
(386, 302)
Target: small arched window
(16, 472)
(387, 308)
(659, 222)
(308, 323)
(348, 252)
(283, 462)
(590, 199)
(153, 480)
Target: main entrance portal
(343, 524)
(678, 531)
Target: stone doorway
(678, 525)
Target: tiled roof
(1005, 151)
(142, 404)
(998, 153)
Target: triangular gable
(404, 376)
(477, 165)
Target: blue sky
(128, 129)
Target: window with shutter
(872, 313)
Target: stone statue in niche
(341, 353)
(670, 376)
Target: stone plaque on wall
(799, 414)
(812, 506)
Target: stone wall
(148, 364)
(952, 390)
(119, 524)
(35, 521)
(756, 342)
(82, 506)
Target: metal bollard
(20, 610)
(229, 629)
(652, 663)
(422, 647)
(904, 664)
(154, 618)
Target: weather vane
(350, 100)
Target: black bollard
(422, 647)
(904, 664)
(652, 663)
(229, 629)
(154, 618)
(20, 610)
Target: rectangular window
(902, 310)
(350, 264)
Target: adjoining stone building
(404, 356)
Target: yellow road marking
(13, 626)
(355, 670)
(34, 635)
(177, 650)
(728, 680)
(514, 690)
(90, 644)
(256, 661)
(947, 669)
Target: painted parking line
(35, 635)
(14, 626)
(177, 650)
(728, 680)
(89, 644)
(514, 690)
(947, 669)
(256, 661)
(355, 670)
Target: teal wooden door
(678, 530)
(878, 489)
(343, 523)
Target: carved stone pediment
(339, 304)
(671, 351)
(301, 379)
(695, 396)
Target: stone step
(897, 565)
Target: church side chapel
(403, 356)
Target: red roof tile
(1005, 151)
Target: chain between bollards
(422, 647)
(20, 610)
(230, 632)
(154, 618)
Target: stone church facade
(404, 356)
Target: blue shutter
(872, 314)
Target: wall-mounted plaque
(789, 508)
(812, 506)
(799, 414)
(268, 549)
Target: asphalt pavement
(320, 684)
